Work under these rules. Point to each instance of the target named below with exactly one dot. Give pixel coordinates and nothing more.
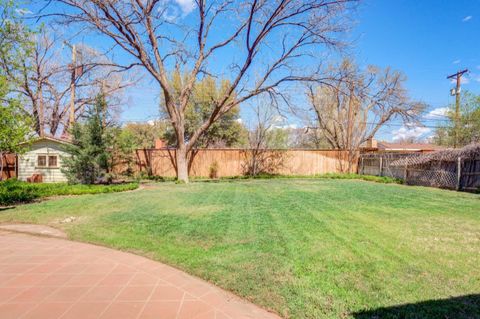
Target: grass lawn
(312, 248)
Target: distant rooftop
(412, 147)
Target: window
(47, 161)
(42, 161)
(52, 161)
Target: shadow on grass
(462, 307)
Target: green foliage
(467, 129)
(123, 150)
(15, 42)
(227, 131)
(15, 37)
(277, 138)
(144, 135)
(89, 158)
(15, 125)
(13, 191)
(213, 170)
(370, 178)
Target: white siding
(27, 163)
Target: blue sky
(425, 39)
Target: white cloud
(409, 132)
(467, 18)
(289, 126)
(457, 61)
(439, 112)
(187, 6)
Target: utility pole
(458, 77)
(72, 85)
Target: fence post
(405, 174)
(381, 165)
(459, 173)
(361, 167)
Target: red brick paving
(58, 279)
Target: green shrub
(14, 191)
(213, 170)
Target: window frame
(47, 161)
(56, 160)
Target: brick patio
(55, 278)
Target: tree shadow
(462, 307)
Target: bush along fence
(241, 162)
(457, 169)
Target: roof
(48, 138)
(417, 147)
(446, 155)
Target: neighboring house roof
(446, 155)
(48, 138)
(411, 147)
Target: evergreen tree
(88, 162)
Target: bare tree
(43, 79)
(260, 157)
(269, 40)
(351, 109)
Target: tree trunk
(182, 163)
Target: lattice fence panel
(434, 178)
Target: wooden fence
(234, 162)
(9, 166)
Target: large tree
(15, 126)
(352, 108)
(260, 45)
(43, 77)
(227, 131)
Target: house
(44, 157)
(387, 147)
